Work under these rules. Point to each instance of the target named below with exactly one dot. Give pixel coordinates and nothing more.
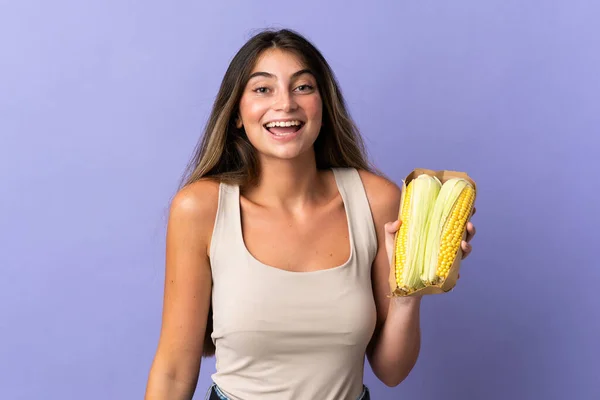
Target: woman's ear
(238, 122)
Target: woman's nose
(284, 101)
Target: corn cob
(448, 221)
(416, 207)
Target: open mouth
(283, 128)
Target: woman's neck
(287, 184)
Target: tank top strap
(359, 213)
(224, 246)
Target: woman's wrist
(406, 301)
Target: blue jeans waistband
(214, 393)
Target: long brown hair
(224, 152)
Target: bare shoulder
(383, 196)
(194, 208)
(196, 199)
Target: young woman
(279, 244)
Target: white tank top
(292, 335)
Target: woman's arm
(187, 289)
(395, 346)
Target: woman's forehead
(278, 62)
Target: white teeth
(283, 124)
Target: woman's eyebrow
(269, 75)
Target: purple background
(102, 102)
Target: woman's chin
(287, 153)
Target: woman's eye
(304, 88)
(261, 89)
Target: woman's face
(281, 108)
